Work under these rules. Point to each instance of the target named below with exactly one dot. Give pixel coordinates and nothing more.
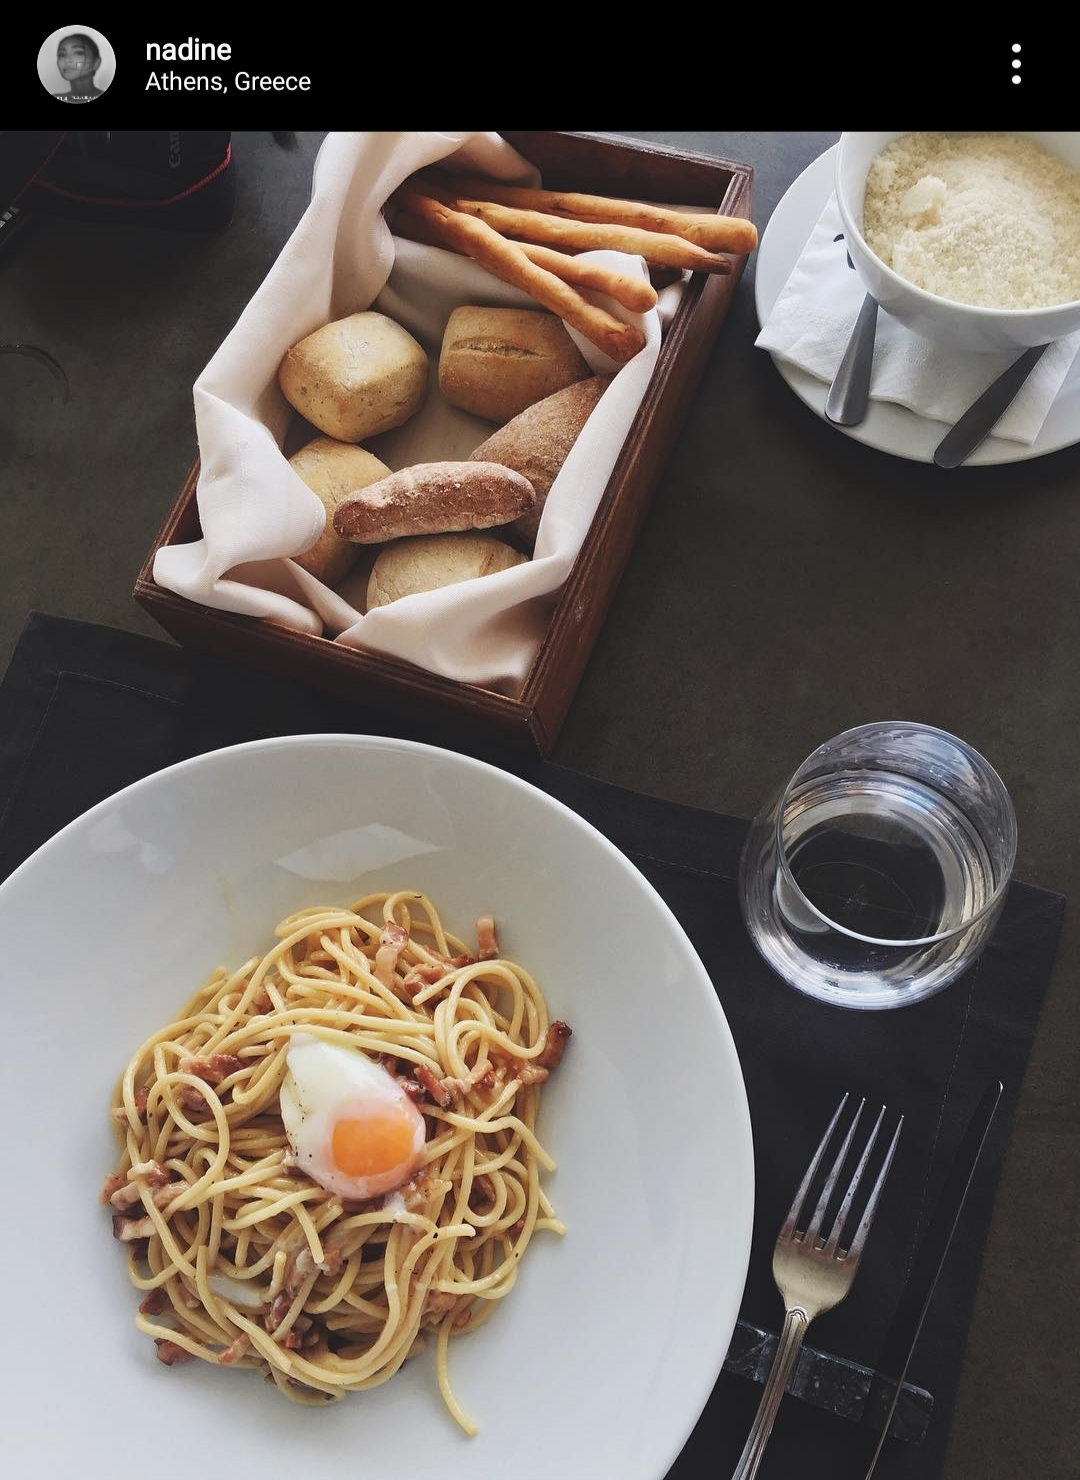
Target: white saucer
(888, 427)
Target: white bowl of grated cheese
(970, 239)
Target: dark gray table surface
(789, 583)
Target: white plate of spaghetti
(353, 1097)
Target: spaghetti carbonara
(329, 1159)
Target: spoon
(849, 394)
(984, 413)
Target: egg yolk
(377, 1144)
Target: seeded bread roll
(538, 441)
(356, 377)
(429, 561)
(434, 498)
(334, 470)
(496, 361)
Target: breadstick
(506, 260)
(636, 294)
(714, 233)
(582, 236)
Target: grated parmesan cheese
(989, 219)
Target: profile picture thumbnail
(76, 64)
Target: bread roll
(429, 561)
(538, 441)
(356, 377)
(333, 470)
(434, 498)
(496, 361)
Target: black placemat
(85, 710)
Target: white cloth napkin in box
(256, 512)
(812, 319)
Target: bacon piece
(420, 1189)
(457, 1089)
(424, 975)
(303, 1335)
(169, 1352)
(429, 972)
(435, 1088)
(127, 1230)
(119, 1113)
(163, 1183)
(279, 1309)
(294, 1337)
(535, 1071)
(392, 942)
(488, 946)
(193, 1102)
(213, 1068)
(332, 1260)
(239, 1348)
(112, 1185)
(530, 1072)
(156, 1175)
(510, 1066)
(479, 1078)
(154, 1303)
(305, 1265)
(555, 1040)
(164, 1197)
(126, 1197)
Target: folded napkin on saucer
(811, 322)
(256, 512)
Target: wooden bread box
(450, 710)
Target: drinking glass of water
(877, 873)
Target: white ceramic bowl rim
(976, 310)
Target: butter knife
(983, 415)
(907, 1322)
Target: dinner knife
(902, 1336)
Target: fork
(813, 1272)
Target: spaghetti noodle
(242, 1258)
